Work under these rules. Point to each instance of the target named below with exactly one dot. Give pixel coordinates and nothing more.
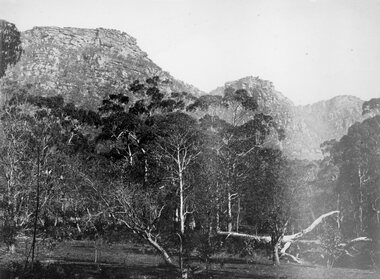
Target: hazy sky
(310, 49)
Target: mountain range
(84, 65)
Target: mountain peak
(336, 101)
(73, 37)
(84, 65)
(307, 126)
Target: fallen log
(293, 237)
(354, 241)
(286, 238)
(258, 238)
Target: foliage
(10, 45)
(357, 156)
(42, 136)
(170, 167)
(330, 239)
(269, 195)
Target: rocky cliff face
(325, 120)
(306, 127)
(84, 65)
(269, 100)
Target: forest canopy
(181, 172)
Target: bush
(330, 239)
(8, 233)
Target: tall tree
(178, 145)
(358, 158)
(15, 172)
(272, 197)
(10, 45)
(40, 135)
(236, 134)
(137, 127)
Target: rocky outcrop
(84, 65)
(306, 127)
(325, 120)
(269, 100)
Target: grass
(129, 260)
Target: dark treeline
(181, 173)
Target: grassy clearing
(76, 260)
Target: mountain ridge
(85, 65)
(306, 126)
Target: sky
(310, 49)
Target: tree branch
(286, 238)
(313, 225)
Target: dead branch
(354, 241)
(293, 258)
(313, 225)
(286, 238)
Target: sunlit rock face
(84, 65)
(306, 127)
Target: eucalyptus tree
(37, 131)
(40, 136)
(241, 136)
(15, 174)
(358, 158)
(177, 148)
(10, 45)
(126, 122)
(139, 129)
(237, 129)
(351, 166)
(273, 198)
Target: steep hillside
(306, 127)
(84, 64)
(324, 120)
(270, 101)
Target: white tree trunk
(360, 201)
(238, 216)
(354, 241)
(229, 212)
(276, 258)
(262, 239)
(286, 238)
(181, 202)
(181, 193)
(217, 217)
(160, 249)
(293, 237)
